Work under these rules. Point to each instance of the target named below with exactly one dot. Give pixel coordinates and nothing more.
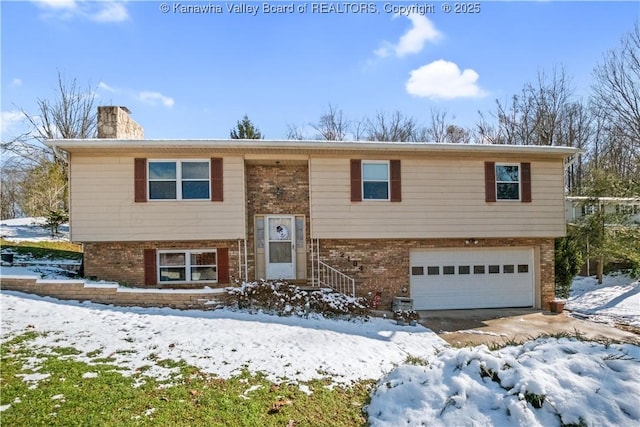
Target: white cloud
(104, 86)
(413, 41)
(9, 119)
(57, 4)
(153, 98)
(16, 82)
(443, 79)
(145, 96)
(111, 12)
(97, 11)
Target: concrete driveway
(499, 326)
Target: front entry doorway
(280, 248)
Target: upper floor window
(179, 179)
(375, 180)
(507, 182)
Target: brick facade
(112, 294)
(275, 188)
(123, 262)
(380, 265)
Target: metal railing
(336, 280)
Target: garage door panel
(510, 286)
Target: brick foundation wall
(123, 262)
(263, 180)
(112, 294)
(381, 265)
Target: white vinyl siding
(441, 198)
(103, 207)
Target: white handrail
(337, 280)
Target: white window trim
(519, 166)
(187, 254)
(178, 179)
(388, 181)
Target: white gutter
(309, 146)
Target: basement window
(188, 266)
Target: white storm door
(280, 247)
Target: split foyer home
(449, 226)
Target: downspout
(312, 252)
(244, 198)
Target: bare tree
(616, 89)
(43, 185)
(332, 125)
(437, 129)
(394, 127)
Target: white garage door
(472, 278)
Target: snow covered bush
(284, 299)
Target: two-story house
(448, 225)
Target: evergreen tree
(245, 130)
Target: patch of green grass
(45, 250)
(76, 393)
(416, 360)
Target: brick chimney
(115, 123)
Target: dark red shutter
(150, 271)
(223, 265)
(216, 180)
(396, 186)
(490, 181)
(356, 180)
(140, 180)
(525, 176)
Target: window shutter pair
(140, 180)
(394, 180)
(490, 182)
(150, 267)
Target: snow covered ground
(546, 382)
(617, 300)
(30, 229)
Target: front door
(280, 247)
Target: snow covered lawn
(544, 382)
(30, 230)
(617, 300)
(421, 379)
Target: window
(179, 179)
(417, 271)
(464, 269)
(433, 271)
(448, 270)
(188, 266)
(478, 269)
(523, 268)
(507, 182)
(494, 269)
(508, 268)
(375, 180)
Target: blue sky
(193, 75)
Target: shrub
(284, 299)
(567, 264)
